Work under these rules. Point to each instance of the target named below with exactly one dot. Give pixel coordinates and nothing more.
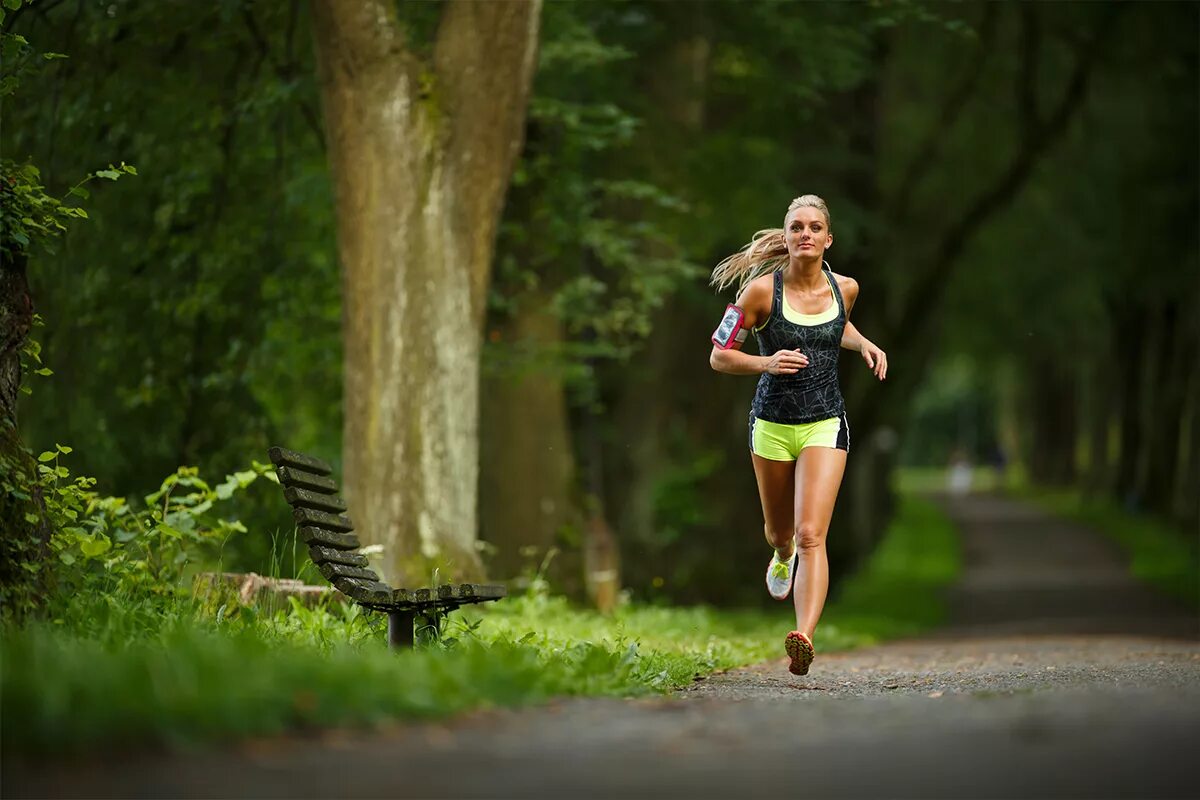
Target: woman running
(799, 438)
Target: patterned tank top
(813, 393)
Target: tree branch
(285, 72)
(926, 154)
(1026, 83)
(915, 320)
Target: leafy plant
(30, 216)
(110, 544)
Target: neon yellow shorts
(780, 442)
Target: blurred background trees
(1014, 187)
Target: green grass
(1159, 554)
(114, 674)
(899, 591)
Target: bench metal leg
(400, 629)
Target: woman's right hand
(786, 362)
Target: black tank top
(813, 393)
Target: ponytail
(766, 252)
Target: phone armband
(730, 331)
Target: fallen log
(251, 589)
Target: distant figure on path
(799, 437)
(960, 475)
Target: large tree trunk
(421, 155)
(527, 464)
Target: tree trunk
(24, 531)
(1166, 407)
(527, 462)
(16, 318)
(1130, 351)
(421, 155)
(1098, 419)
(1151, 364)
(1052, 411)
(1187, 487)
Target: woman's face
(806, 233)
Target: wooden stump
(252, 589)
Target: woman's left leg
(818, 477)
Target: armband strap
(730, 330)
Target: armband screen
(730, 330)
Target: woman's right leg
(777, 492)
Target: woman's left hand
(876, 359)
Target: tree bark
(16, 318)
(1052, 412)
(24, 544)
(527, 467)
(1166, 407)
(1098, 418)
(421, 155)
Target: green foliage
(213, 276)
(29, 216)
(582, 231)
(109, 546)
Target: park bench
(322, 523)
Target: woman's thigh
(776, 486)
(819, 473)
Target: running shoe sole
(800, 651)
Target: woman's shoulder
(758, 290)
(847, 285)
(756, 299)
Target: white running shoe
(780, 575)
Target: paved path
(1058, 677)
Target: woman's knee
(810, 536)
(777, 537)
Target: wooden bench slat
(333, 570)
(319, 519)
(290, 476)
(334, 539)
(322, 554)
(307, 499)
(457, 593)
(281, 456)
(477, 592)
(372, 593)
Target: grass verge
(113, 675)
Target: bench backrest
(323, 524)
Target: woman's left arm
(853, 340)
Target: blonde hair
(766, 252)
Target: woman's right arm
(755, 302)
